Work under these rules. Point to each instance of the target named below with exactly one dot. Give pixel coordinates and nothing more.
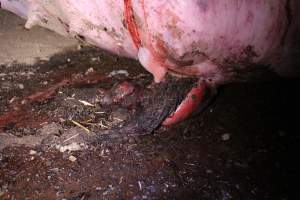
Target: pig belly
(210, 39)
(207, 38)
(217, 41)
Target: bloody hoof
(190, 103)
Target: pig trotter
(191, 102)
(154, 108)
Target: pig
(215, 41)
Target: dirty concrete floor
(243, 146)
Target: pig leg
(190, 103)
(199, 95)
(194, 98)
(152, 64)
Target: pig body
(206, 38)
(216, 41)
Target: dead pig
(215, 41)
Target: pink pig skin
(210, 39)
(217, 41)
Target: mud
(53, 115)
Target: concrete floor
(28, 46)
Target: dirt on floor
(244, 145)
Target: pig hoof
(195, 97)
(155, 106)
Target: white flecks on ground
(72, 158)
(118, 72)
(140, 185)
(96, 59)
(32, 152)
(12, 100)
(90, 70)
(86, 103)
(70, 147)
(21, 86)
(226, 137)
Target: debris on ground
(53, 144)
